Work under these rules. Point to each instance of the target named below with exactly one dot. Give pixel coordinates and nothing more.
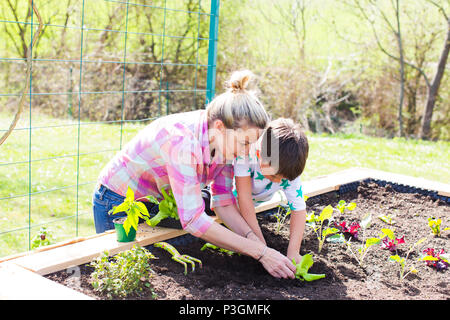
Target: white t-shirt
(262, 188)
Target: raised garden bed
(234, 277)
(413, 200)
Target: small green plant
(342, 206)
(387, 219)
(316, 223)
(402, 261)
(281, 216)
(366, 243)
(125, 274)
(435, 225)
(214, 247)
(43, 238)
(167, 208)
(302, 268)
(134, 210)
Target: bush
(126, 273)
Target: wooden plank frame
(25, 271)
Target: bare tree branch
(28, 74)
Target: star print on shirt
(291, 206)
(284, 183)
(299, 192)
(252, 173)
(269, 186)
(259, 177)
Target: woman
(185, 152)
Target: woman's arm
(246, 206)
(274, 262)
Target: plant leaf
(365, 222)
(329, 231)
(141, 208)
(127, 226)
(336, 238)
(372, 241)
(389, 233)
(123, 207)
(326, 213)
(429, 258)
(133, 217)
(312, 276)
(130, 194)
(152, 199)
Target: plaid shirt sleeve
(222, 188)
(182, 160)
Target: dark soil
(237, 277)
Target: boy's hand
(296, 256)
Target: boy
(275, 163)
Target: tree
(433, 87)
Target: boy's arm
(297, 228)
(246, 206)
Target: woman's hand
(277, 264)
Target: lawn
(66, 159)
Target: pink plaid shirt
(173, 152)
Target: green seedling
(342, 206)
(281, 217)
(167, 208)
(366, 243)
(43, 238)
(435, 225)
(387, 219)
(302, 268)
(316, 223)
(134, 210)
(214, 247)
(402, 261)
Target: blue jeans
(104, 200)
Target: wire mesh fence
(101, 70)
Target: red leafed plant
(436, 258)
(352, 229)
(391, 242)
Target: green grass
(53, 202)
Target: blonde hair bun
(239, 81)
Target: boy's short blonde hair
(291, 147)
(238, 107)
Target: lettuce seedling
(302, 268)
(391, 242)
(402, 261)
(316, 223)
(436, 259)
(342, 205)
